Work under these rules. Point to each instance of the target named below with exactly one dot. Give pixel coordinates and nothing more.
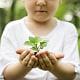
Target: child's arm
(63, 71)
(14, 72)
(21, 68)
(52, 63)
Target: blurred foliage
(17, 11)
(2, 20)
(74, 7)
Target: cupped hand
(47, 60)
(27, 58)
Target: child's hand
(27, 58)
(46, 60)
(59, 55)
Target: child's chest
(55, 43)
(55, 40)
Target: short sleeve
(7, 50)
(70, 49)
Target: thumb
(59, 55)
(20, 50)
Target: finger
(52, 57)
(39, 65)
(59, 55)
(31, 62)
(36, 63)
(46, 60)
(41, 62)
(26, 59)
(20, 50)
(37, 55)
(24, 54)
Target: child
(58, 61)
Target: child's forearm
(64, 71)
(14, 72)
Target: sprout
(36, 43)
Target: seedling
(36, 43)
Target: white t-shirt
(63, 38)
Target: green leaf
(34, 48)
(28, 43)
(32, 40)
(43, 44)
(37, 39)
(36, 43)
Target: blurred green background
(69, 10)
